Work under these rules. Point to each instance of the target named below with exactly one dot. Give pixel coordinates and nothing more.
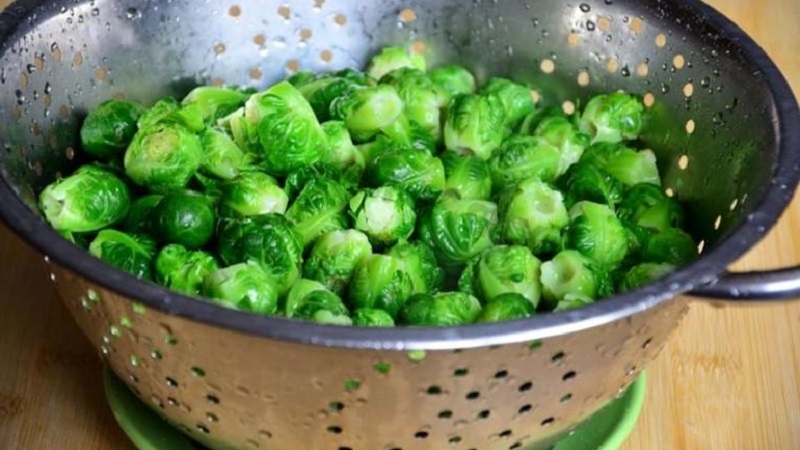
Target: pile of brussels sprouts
(394, 196)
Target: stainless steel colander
(722, 121)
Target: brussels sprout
(321, 91)
(533, 214)
(441, 309)
(109, 128)
(139, 215)
(244, 286)
(243, 133)
(392, 58)
(295, 182)
(419, 174)
(318, 209)
(223, 158)
(458, 230)
(522, 157)
(367, 317)
(183, 217)
(419, 262)
(310, 300)
(466, 177)
(334, 258)
(385, 214)
(474, 125)
(168, 111)
(612, 117)
(423, 99)
(507, 269)
(672, 246)
(380, 282)
(586, 181)
(647, 206)
(571, 275)
(596, 232)
(516, 98)
(132, 253)
(382, 144)
(453, 79)
(288, 131)
(88, 200)
(343, 154)
(644, 273)
(269, 240)
(183, 270)
(410, 135)
(627, 165)
(252, 194)
(214, 102)
(163, 157)
(571, 301)
(508, 306)
(366, 111)
(564, 135)
(302, 78)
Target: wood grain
(729, 379)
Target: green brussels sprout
(294, 183)
(392, 58)
(410, 135)
(458, 230)
(466, 177)
(564, 135)
(506, 269)
(419, 174)
(244, 286)
(334, 258)
(243, 133)
(288, 131)
(109, 128)
(269, 240)
(572, 302)
(587, 182)
(385, 214)
(522, 157)
(419, 262)
(671, 246)
(368, 317)
(183, 270)
(642, 274)
(132, 253)
(532, 121)
(318, 209)
(453, 79)
(343, 154)
(302, 78)
(533, 214)
(595, 231)
(380, 282)
(252, 194)
(474, 125)
(321, 91)
(183, 217)
(571, 275)
(516, 98)
(139, 215)
(647, 206)
(223, 158)
(423, 99)
(508, 306)
(168, 111)
(612, 118)
(367, 111)
(88, 200)
(441, 309)
(214, 102)
(310, 300)
(163, 157)
(627, 165)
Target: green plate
(605, 430)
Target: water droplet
(47, 88)
(665, 88)
(590, 25)
(625, 71)
(510, 50)
(132, 13)
(585, 8)
(95, 11)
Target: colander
(721, 119)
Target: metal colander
(721, 119)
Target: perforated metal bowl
(722, 121)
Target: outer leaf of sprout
(252, 194)
(522, 157)
(132, 253)
(380, 282)
(441, 309)
(109, 128)
(392, 58)
(466, 177)
(183, 270)
(533, 214)
(596, 232)
(419, 262)
(244, 286)
(505, 307)
(334, 258)
(474, 125)
(385, 214)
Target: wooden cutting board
(729, 379)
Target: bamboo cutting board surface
(729, 379)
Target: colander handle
(779, 284)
